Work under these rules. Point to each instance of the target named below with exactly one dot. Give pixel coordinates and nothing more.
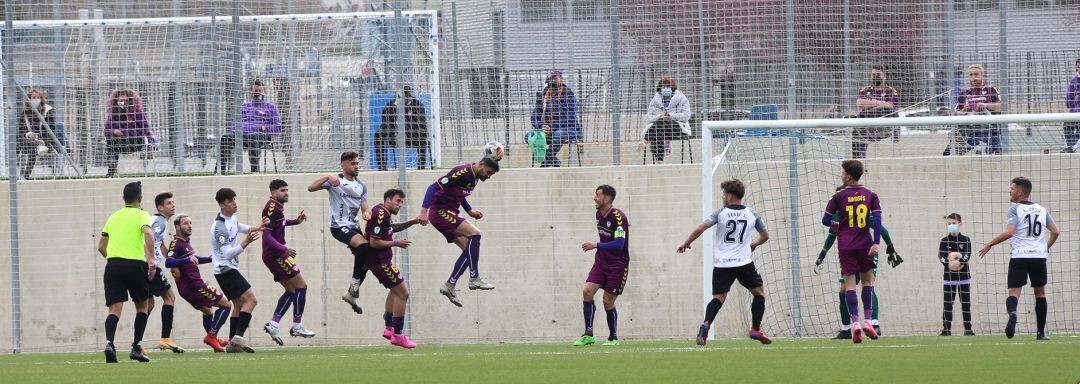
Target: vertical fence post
(234, 111)
(1003, 65)
(8, 50)
(706, 80)
(616, 104)
(793, 175)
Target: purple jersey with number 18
(855, 204)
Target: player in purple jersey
(611, 266)
(280, 260)
(977, 99)
(443, 200)
(859, 211)
(380, 234)
(185, 268)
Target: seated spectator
(33, 140)
(416, 131)
(1072, 102)
(260, 122)
(978, 99)
(126, 128)
(669, 118)
(875, 100)
(555, 114)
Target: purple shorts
(283, 269)
(609, 276)
(381, 264)
(201, 296)
(854, 262)
(446, 222)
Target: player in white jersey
(348, 198)
(1030, 246)
(159, 286)
(226, 248)
(731, 257)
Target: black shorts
(123, 277)
(722, 278)
(345, 234)
(1020, 269)
(232, 283)
(159, 285)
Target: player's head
(1020, 189)
(486, 167)
(164, 204)
(393, 199)
(279, 190)
(953, 221)
(226, 200)
(733, 191)
(604, 196)
(877, 75)
(350, 163)
(977, 75)
(258, 91)
(182, 224)
(133, 193)
(853, 170)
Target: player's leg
(588, 304)
(399, 296)
(221, 314)
(750, 279)
(388, 317)
(1038, 285)
(138, 287)
(472, 248)
(111, 321)
(287, 299)
(1017, 278)
(614, 282)
(168, 300)
(850, 297)
(299, 286)
(965, 306)
(867, 277)
(949, 293)
(845, 318)
(359, 247)
(116, 294)
(612, 318)
(722, 278)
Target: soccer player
(348, 197)
(860, 211)
(955, 248)
(611, 266)
(159, 286)
(191, 286)
(732, 257)
(444, 198)
(127, 244)
(380, 232)
(1030, 247)
(280, 260)
(226, 252)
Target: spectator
(875, 100)
(978, 99)
(33, 138)
(416, 132)
(953, 253)
(260, 122)
(126, 128)
(669, 118)
(1072, 102)
(555, 114)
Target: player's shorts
(381, 264)
(283, 268)
(232, 283)
(855, 262)
(1021, 268)
(123, 277)
(201, 296)
(858, 277)
(747, 275)
(345, 234)
(159, 286)
(611, 277)
(446, 222)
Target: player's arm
(618, 243)
(148, 247)
(324, 182)
(831, 209)
(763, 236)
(103, 244)
(1054, 232)
(300, 219)
(429, 197)
(709, 221)
(1009, 231)
(377, 243)
(398, 227)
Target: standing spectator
(669, 118)
(555, 113)
(875, 100)
(33, 137)
(126, 128)
(1072, 102)
(260, 122)
(978, 99)
(953, 253)
(416, 131)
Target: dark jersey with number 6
(854, 204)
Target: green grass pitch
(982, 359)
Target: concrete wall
(536, 220)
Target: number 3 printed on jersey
(857, 215)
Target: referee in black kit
(128, 246)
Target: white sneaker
(451, 293)
(274, 332)
(239, 345)
(351, 300)
(299, 331)
(479, 283)
(354, 289)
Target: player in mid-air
(348, 197)
(1026, 230)
(280, 260)
(159, 286)
(860, 211)
(192, 288)
(442, 202)
(732, 257)
(380, 231)
(226, 249)
(611, 266)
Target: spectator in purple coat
(1072, 102)
(260, 122)
(126, 128)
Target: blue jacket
(557, 109)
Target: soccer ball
(954, 261)
(494, 150)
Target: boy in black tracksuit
(959, 281)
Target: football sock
(166, 321)
(868, 302)
(757, 310)
(589, 309)
(220, 316)
(283, 303)
(301, 302)
(712, 309)
(110, 327)
(140, 327)
(852, 305)
(474, 255)
(1040, 313)
(612, 322)
(845, 317)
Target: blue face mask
(954, 229)
(666, 91)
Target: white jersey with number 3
(1029, 240)
(733, 235)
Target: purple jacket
(132, 124)
(1072, 96)
(261, 117)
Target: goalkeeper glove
(817, 263)
(894, 257)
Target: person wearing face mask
(416, 132)
(555, 115)
(875, 100)
(953, 253)
(33, 139)
(977, 99)
(669, 118)
(260, 122)
(1072, 102)
(126, 127)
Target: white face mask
(34, 103)
(953, 228)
